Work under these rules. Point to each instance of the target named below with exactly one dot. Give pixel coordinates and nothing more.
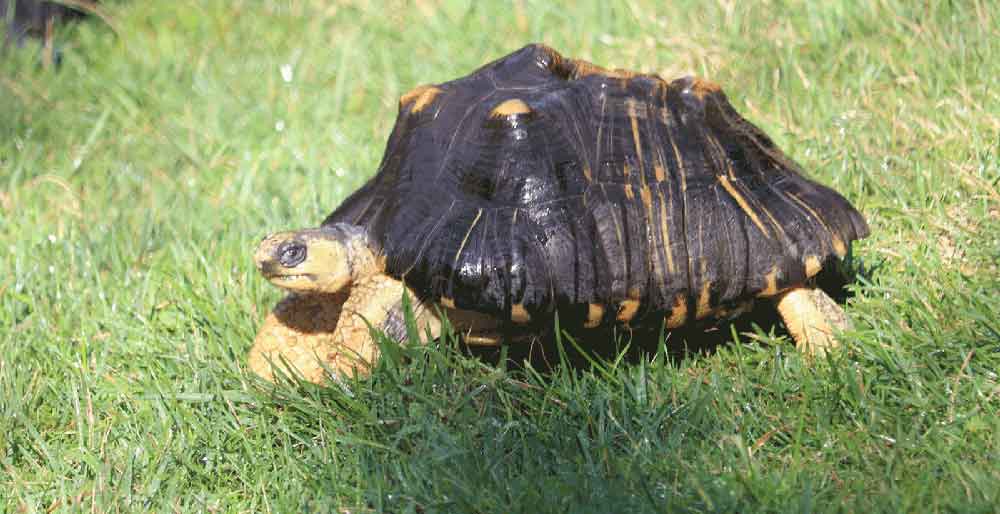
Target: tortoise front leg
(297, 333)
(811, 317)
(375, 300)
(311, 331)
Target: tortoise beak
(268, 269)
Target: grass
(136, 178)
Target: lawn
(136, 178)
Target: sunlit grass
(136, 178)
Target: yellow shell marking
(647, 200)
(702, 88)
(774, 222)
(510, 107)
(518, 314)
(629, 307)
(838, 244)
(420, 96)
(665, 232)
(728, 186)
(447, 302)
(633, 116)
(584, 68)
(704, 307)
(678, 313)
(627, 310)
(646, 195)
(813, 265)
(595, 313)
(461, 248)
(770, 283)
(661, 174)
(680, 165)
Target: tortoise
(540, 184)
(36, 18)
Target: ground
(136, 178)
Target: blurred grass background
(136, 177)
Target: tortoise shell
(540, 183)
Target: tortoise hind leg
(812, 317)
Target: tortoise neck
(362, 258)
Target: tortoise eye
(291, 254)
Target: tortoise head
(315, 260)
